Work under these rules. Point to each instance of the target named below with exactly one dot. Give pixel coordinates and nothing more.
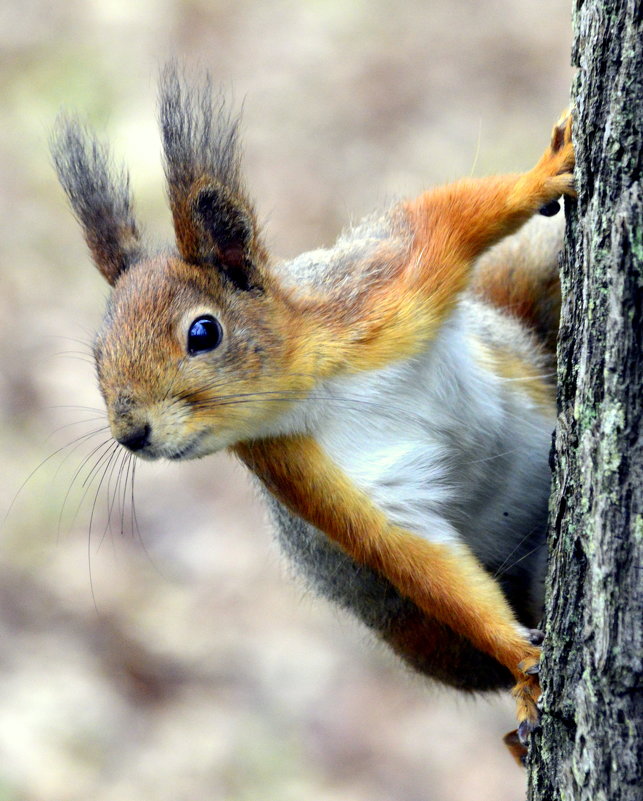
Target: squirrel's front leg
(445, 581)
(455, 224)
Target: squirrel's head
(194, 351)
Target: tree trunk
(588, 748)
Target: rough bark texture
(589, 746)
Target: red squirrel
(393, 394)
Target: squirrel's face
(187, 363)
(201, 350)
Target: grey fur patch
(331, 573)
(362, 256)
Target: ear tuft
(214, 221)
(99, 196)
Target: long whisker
(75, 442)
(78, 442)
(503, 568)
(120, 465)
(79, 408)
(286, 396)
(135, 529)
(134, 521)
(107, 472)
(222, 380)
(134, 518)
(125, 482)
(290, 396)
(105, 448)
(114, 455)
(110, 496)
(85, 343)
(529, 377)
(77, 423)
(517, 561)
(229, 401)
(75, 354)
(497, 455)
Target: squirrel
(393, 394)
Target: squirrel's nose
(138, 439)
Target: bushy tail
(520, 275)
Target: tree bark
(588, 748)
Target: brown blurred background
(181, 661)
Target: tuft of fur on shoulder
(99, 194)
(365, 256)
(200, 135)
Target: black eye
(204, 334)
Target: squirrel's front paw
(527, 692)
(558, 161)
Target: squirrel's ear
(99, 196)
(214, 220)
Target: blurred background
(178, 659)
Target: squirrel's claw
(550, 209)
(526, 729)
(536, 636)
